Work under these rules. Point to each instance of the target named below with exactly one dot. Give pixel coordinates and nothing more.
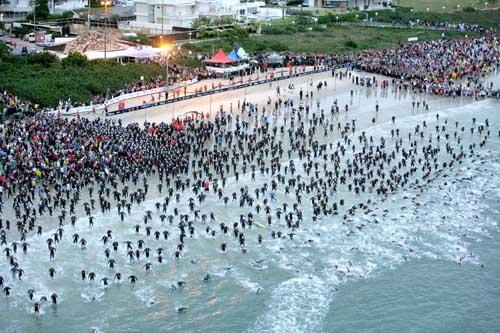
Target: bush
(189, 62)
(44, 58)
(276, 30)
(141, 39)
(67, 14)
(325, 19)
(469, 9)
(75, 59)
(236, 32)
(319, 27)
(20, 32)
(4, 51)
(46, 85)
(351, 44)
(223, 21)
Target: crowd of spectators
(442, 67)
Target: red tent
(220, 58)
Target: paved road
(32, 47)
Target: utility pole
(162, 16)
(105, 4)
(34, 15)
(166, 81)
(88, 15)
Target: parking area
(17, 44)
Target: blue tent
(233, 55)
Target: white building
(20, 9)
(15, 9)
(62, 6)
(164, 14)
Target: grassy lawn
(450, 5)
(333, 39)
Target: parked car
(31, 37)
(10, 42)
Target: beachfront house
(165, 14)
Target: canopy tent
(220, 58)
(144, 53)
(242, 53)
(131, 52)
(233, 55)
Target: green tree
(75, 59)
(41, 9)
(201, 22)
(44, 58)
(67, 14)
(223, 21)
(4, 51)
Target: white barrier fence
(227, 70)
(100, 107)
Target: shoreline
(341, 91)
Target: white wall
(309, 3)
(70, 5)
(183, 12)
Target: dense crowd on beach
(66, 171)
(58, 173)
(441, 67)
(73, 149)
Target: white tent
(143, 53)
(131, 52)
(242, 54)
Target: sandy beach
(282, 284)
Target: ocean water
(425, 260)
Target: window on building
(151, 14)
(335, 4)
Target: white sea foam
(299, 304)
